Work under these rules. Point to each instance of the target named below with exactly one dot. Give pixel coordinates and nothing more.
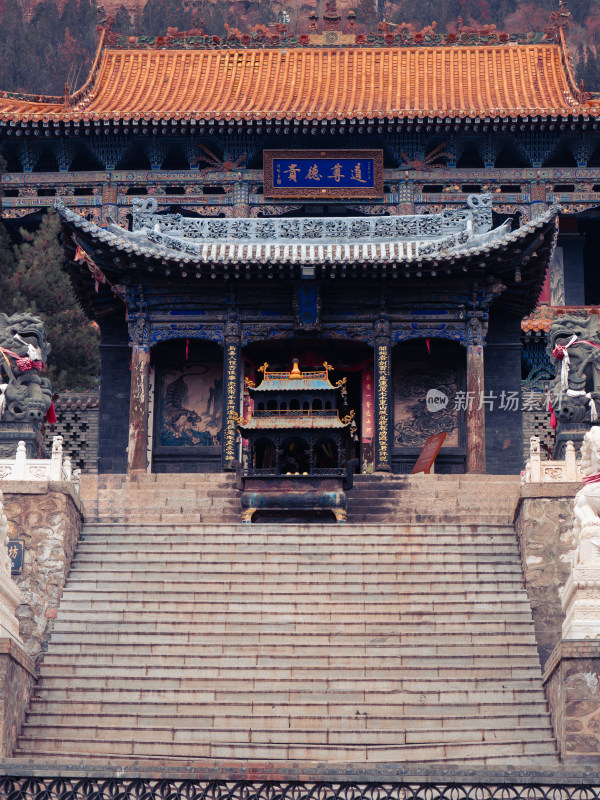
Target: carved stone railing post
(571, 463)
(56, 465)
(231, 390)
(20, 468)
(535, 460)
(475, 411)
(383, 396)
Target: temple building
(390, 204)
(312, 256)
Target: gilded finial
(263, 368)
(295, 373)
(327, 366)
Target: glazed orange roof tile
(322, 83)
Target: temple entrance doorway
(428, 379)
(186, 423)
(352, 363)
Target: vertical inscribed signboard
(368, 404)
(383, 428)
(231, 403)
(367, 420)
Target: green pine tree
(42, 286)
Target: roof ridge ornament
(331, 17)
(560, 19)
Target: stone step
(347, 596)
(369, 545)
(518, 751)
(299, 530)
(499, 574)
(501, 714)
(258, 735)
(121, 609)
(369, 550)
(158, 718)
(287, 612)
(520, 643)
(248, 559)
(129, 535)
(299, 625)
(189, 587)
(446, 667)
(402, 657)
(310, 574)
(268, 637)
(356, 690)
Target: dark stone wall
(115, 385)
(502, 368)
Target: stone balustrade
(55, 468)
(538, 471)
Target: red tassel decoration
(51, 415)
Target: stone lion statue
(573, 345)
(586, 508)
(25, 394)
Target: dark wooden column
(383, 396)
(137, 456)
(231, 391)
(475, 412)
(241, 199)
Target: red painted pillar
(138, 410)
(475, 412)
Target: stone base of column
(580, 599)
(572, 685)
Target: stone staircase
(182, 639)
(437, 499)
(164, 498)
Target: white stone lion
(587, 500)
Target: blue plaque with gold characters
(326, 174)
(16, 553)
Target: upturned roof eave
(249, 254)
